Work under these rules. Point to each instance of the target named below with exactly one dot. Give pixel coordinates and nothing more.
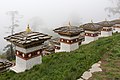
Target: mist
(46, 15)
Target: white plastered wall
(64, 47)
(89, 39)
(69, 47)
(106, 33)
(56, 50)
(116, 29)
(22, 65)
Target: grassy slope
(110, 65)
(67, 66)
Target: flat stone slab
(99, 62)
(16, 69)
(84, 43)
(95, 69)
(95, 65)
(80, 79)
(86, 75)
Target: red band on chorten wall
(91, 34)
(28, 55)
(110, 29)
(67, 41)
(56, 47)
(116, 26)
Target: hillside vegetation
(67, 66)
(110, 65)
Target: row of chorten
(29, 44)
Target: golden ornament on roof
(28, 30)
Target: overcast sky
(51, 13)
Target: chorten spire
(69, 24)
(91, 21)
(106, 20)
(28, 30)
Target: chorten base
(22, 65)
(17, 69)
(84, 42)
(106, 34)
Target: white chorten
(116, 26)
(107, 28)
(92, 31)
(28, 49)
(69, 38)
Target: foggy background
(46, 15)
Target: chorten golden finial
(28, 30)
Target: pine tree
(10, 48)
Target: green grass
(67, 66)
(110, 65)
